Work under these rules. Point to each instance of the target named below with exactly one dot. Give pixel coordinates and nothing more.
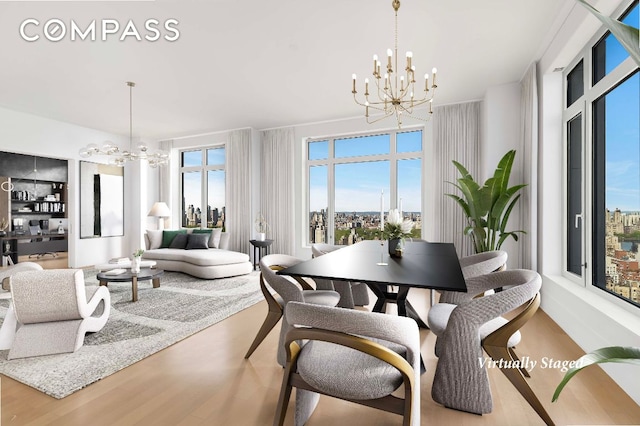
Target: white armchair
(51, 311)
(14, 269)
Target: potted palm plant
(488, 206)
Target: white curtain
(276, 184)
(456, 136)
(238, 190)
(529, 148)
(164, 184)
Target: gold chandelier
(118, 157)
(395, 94)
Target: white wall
(501, 133)
(29, 134)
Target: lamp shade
(159, 209)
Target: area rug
(180, 307)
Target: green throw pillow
(201, 231)
(168, 236)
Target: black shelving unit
(37, 200)
(38, 195)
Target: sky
(192, 188)
(622, 132)
(359, 185)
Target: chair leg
(283, 399)
(512, 352)
(516, 378)
(270, 321)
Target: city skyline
(622, 271)
(352, 227)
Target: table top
(423, 264)
(261, 243)
(124, 265)
(144, 274)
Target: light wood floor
(60, 261)
(204, 380)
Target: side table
(262, 247)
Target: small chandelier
(118, 157)
(396, 94)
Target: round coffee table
(145, 274)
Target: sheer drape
(164, 184)
(529, 148)
(276, 186)
(238, 219)
(456, 136)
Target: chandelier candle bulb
(353, 76)
(434, 71)
(409, 56)
(366, 87)
(389, 55)
(426, 82)
(375, 64)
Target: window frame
(204, 170)
(584, 105)
(392, 157)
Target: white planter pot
(135, 266)
(261, 236)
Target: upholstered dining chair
(351, 293)
(473, 266)
(291, 290)
(476, 323)
(275, 306)
(52, 310)
(362, 357)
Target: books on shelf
(119, 260)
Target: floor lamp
(160, 210)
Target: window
(608, 53)
(352, 179)
(602, 207)
(202, 175)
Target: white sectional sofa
(207, 260)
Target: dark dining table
(422, 265)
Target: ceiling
(259, 64)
